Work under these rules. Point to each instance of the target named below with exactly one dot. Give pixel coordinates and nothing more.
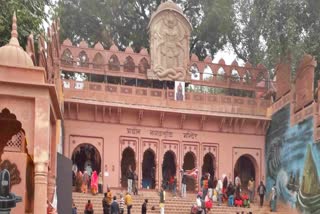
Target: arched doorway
(168, 166)
(86, 157)
(245, 169)
(128, 158)
(189, 162)
(148, 169)
(209, 165)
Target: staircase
(172, 206)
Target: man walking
(130, 179)
(251, 189)
(128, 202)
(261, 191)
(162, 200)
(183, 184)
(114, 206)
(144, 207)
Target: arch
(98, 61)
(207, 73)
(195, 74)
(246, 167)
(189, 162)
(221, 74)
(235, 77)
(128, 159)
(143, 66)
(83, 59)
(86, 156)
(129, 65)
(209, 164)
(169, 166)
(149, 169)
(247, 77)
(67, 58)
(114, 64)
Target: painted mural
(293, 162)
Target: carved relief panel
(169, 43)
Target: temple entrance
(245, 169)
(189, 162)
(148, 169)
(128, 158)
(168, 167)
(86, 157)
(209, 165)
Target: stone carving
(304, 82)
(169, 43)
(13, 170)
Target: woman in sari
(85, 180)
(94, 183)
(78, 182)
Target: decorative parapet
(161, 98)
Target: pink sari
(94, 183)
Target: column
(40, 187)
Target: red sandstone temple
(109, 109)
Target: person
(162, 200)
(273, 201)
(230, 194)
(237, 181)
(105, 205)
(204, 187)
(174, 186)
(130, 179)
(94, 183)
(208, 202)
(210, 187)
(128, 202)
(199, 203)
(78, 182)
(224, 187)
(74, 208)
(251, 189)
(85, 181)
(183, 185)
(238, 199)
(261, 191)
(121, 204)
(100, 183)
(135, 183)
(109, 199)
(215, 182)
(219, 191)
(144, 207)
(114, 206)
(88, 208)
(246, 200)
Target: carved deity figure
(169, 43)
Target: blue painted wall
(286, 149)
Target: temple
(158, 111)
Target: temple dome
(169, 5)
(13, 53)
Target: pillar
(40, 187)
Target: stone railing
(161, 98)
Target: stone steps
(172, 206)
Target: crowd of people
(88, 182)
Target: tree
(125, 22)
(269, 31)
(30, 16)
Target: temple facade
(125, 108)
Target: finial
(14, 32)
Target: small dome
(169, 5)
(13, 53)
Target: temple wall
(111, 139)
(286, 155)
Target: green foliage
(30, 16)
(125, 22)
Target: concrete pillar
(40, 187)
